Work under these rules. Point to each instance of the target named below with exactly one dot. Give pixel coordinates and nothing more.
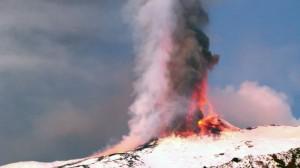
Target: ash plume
(172, 58)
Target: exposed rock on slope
(289, 159)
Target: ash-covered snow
(231, 148)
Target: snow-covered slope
(261, 147)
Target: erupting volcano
(172, 65)
(173, 122)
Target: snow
(195, 152)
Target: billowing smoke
(253, 105)
(173, 59)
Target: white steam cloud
(157, 22)
(253, 105)
(154, 24)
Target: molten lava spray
(172, 63)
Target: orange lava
(202, 119)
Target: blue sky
(66, 68)
(258, 41)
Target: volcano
(262, 147)
(172, 111)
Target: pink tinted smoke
(253, 105)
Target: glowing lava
(202, 119)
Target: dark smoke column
(191, 59)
